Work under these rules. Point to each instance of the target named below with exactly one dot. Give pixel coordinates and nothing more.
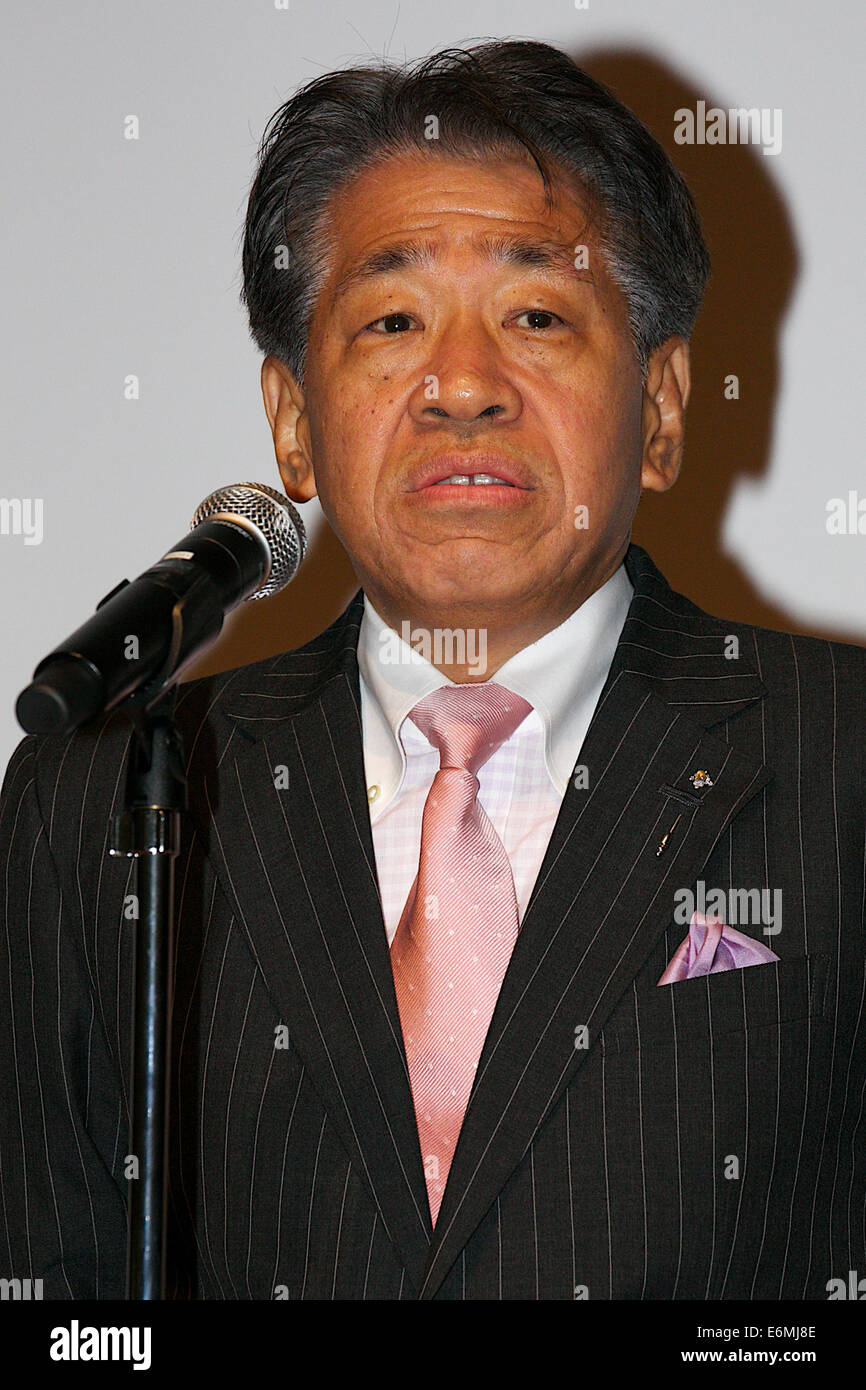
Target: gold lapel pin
(666, 837)
(701, 779)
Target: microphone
(246, 542)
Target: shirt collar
(561, 675)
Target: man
(520, 913)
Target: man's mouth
(473, 479)
(486, 470)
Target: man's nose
(465, 382)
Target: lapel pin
(666, 837)
(701, 779)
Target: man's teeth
(465, 478)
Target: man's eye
(539, 318)
(391, 323)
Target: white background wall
(123, 257)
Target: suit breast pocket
(710, 1006)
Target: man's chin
(462, 592)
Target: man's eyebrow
(535, 252)
(532, 252)
(400, 255)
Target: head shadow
(755, 265)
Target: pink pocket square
(712, 946)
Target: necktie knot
(467, 723)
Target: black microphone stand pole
(148, 831)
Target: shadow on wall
(754, 269)
(755, 263)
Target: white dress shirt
(522, 785)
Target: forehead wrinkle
(518, 249)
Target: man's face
(465, 328)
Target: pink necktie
(459, 925)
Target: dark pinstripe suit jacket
(708, 1143)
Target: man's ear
(287, 417)
(666, 395)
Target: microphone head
(262, 509)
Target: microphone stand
(65, 694)
(148, 831)
(82, 679)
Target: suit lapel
(292, 845)
(604, 895)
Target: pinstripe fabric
(296, 1170)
